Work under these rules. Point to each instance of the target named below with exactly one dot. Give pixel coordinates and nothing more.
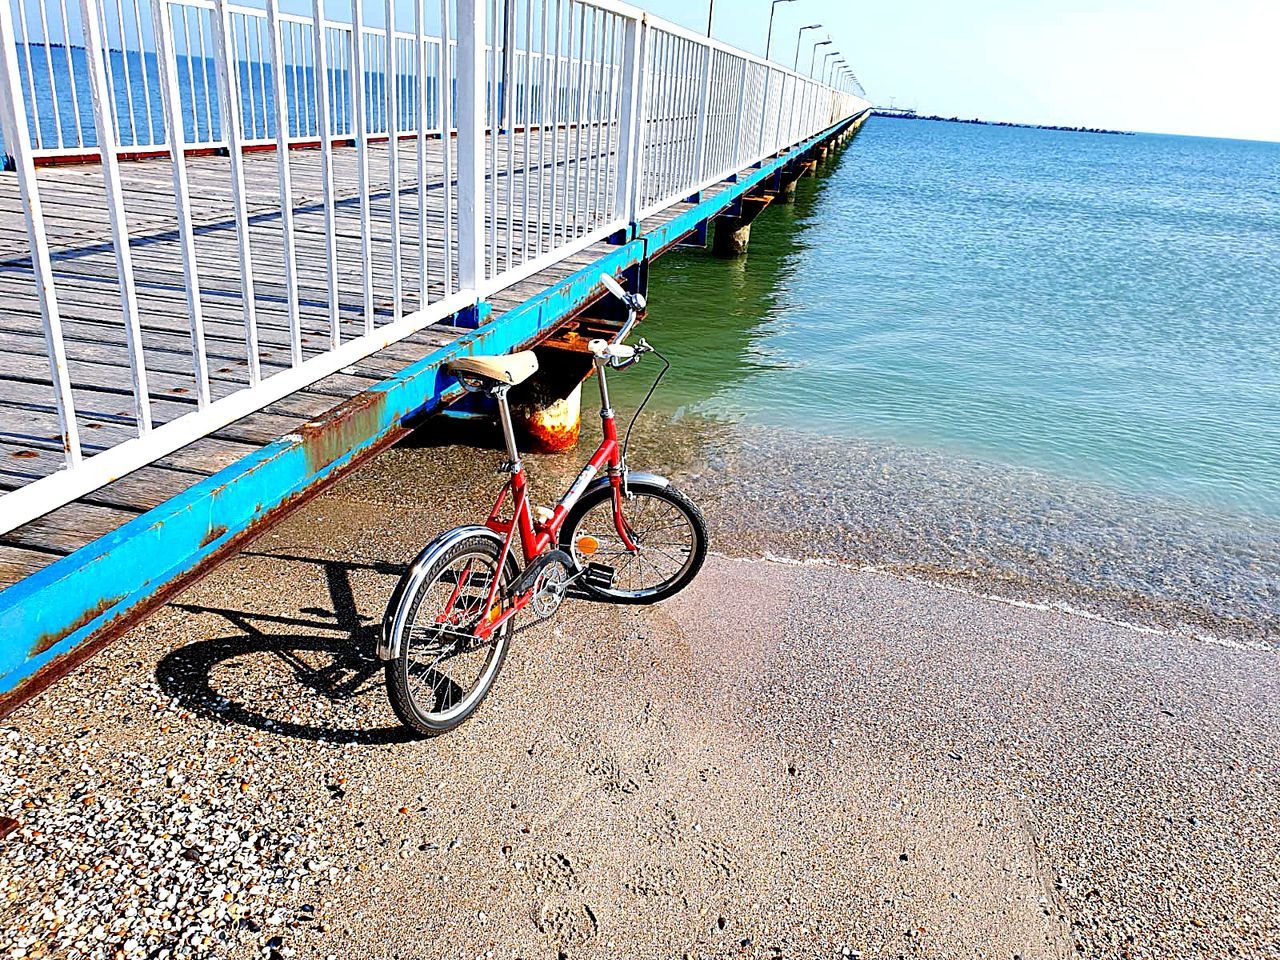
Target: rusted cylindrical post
(547, 409)
(788, 192)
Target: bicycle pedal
(599, 575)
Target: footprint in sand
(553, 871)
(615, 780)
(567, 924)
(653, 880)
(719, 857)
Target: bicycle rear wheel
(666, 527)
(441, 671)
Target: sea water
(1027, 355)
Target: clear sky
(1206, 67)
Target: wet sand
(788, 760)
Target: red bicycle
(618, 536)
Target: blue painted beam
(83, 596)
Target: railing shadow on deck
(328, 652)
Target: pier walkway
(194, 338)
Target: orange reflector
(587, 546)
(494, 613)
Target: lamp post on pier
(814, 56)
(768, 43)
(832, 69)
(813, 26)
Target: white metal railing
(443, 170)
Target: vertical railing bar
(258, 27)
(544, 107)
(737, 126)
(71, 72)
(324, 120)
(668, 115)
(191, 73)
(48, 62)
(700, 134)
(490, 127)
(171, 116)
(128, 81)
(581, 98)
(251, 127)
(275, 31)
(420, 40)
(614, 146)
(600, 116)
(393, 162)
(142, 66)
(360, 130)
(508, 117)
(114, 196)
(17, 139)
(445, 92)
(630, 119)
(471, 127)
(228, 77)
(204, 79)
(553, 215)
(688, 121)
(33, 101)
(569, 92)
(528, 128)
(604, 115)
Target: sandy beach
(788, 760)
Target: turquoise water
(1097, 307)
(1046, 364)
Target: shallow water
(1041, 360)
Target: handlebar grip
(613, 287)
(611, 351)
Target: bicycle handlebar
(634, 302)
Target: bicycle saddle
(510, 369)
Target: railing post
(324, 126)
(471, 126)
(360, 120)
(742, 103)
(630, 119)
(226, 66)
(276, 47)
(171, 108)
(703, 105)
(17, 140)
(104, 117)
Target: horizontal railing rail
(457, 149)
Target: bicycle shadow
(328, 653)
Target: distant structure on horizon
(909, 113)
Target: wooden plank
(19, 562)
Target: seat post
(508, 429)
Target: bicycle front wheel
(441, 671)
(666, 528)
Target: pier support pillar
(787, 181)
(547, 409)
(733, 231)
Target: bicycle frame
(538, 537)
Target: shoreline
(788, 757)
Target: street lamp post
(826, 61)
(813, 26)
(814, 57)
(831, 69)
(768, 43)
